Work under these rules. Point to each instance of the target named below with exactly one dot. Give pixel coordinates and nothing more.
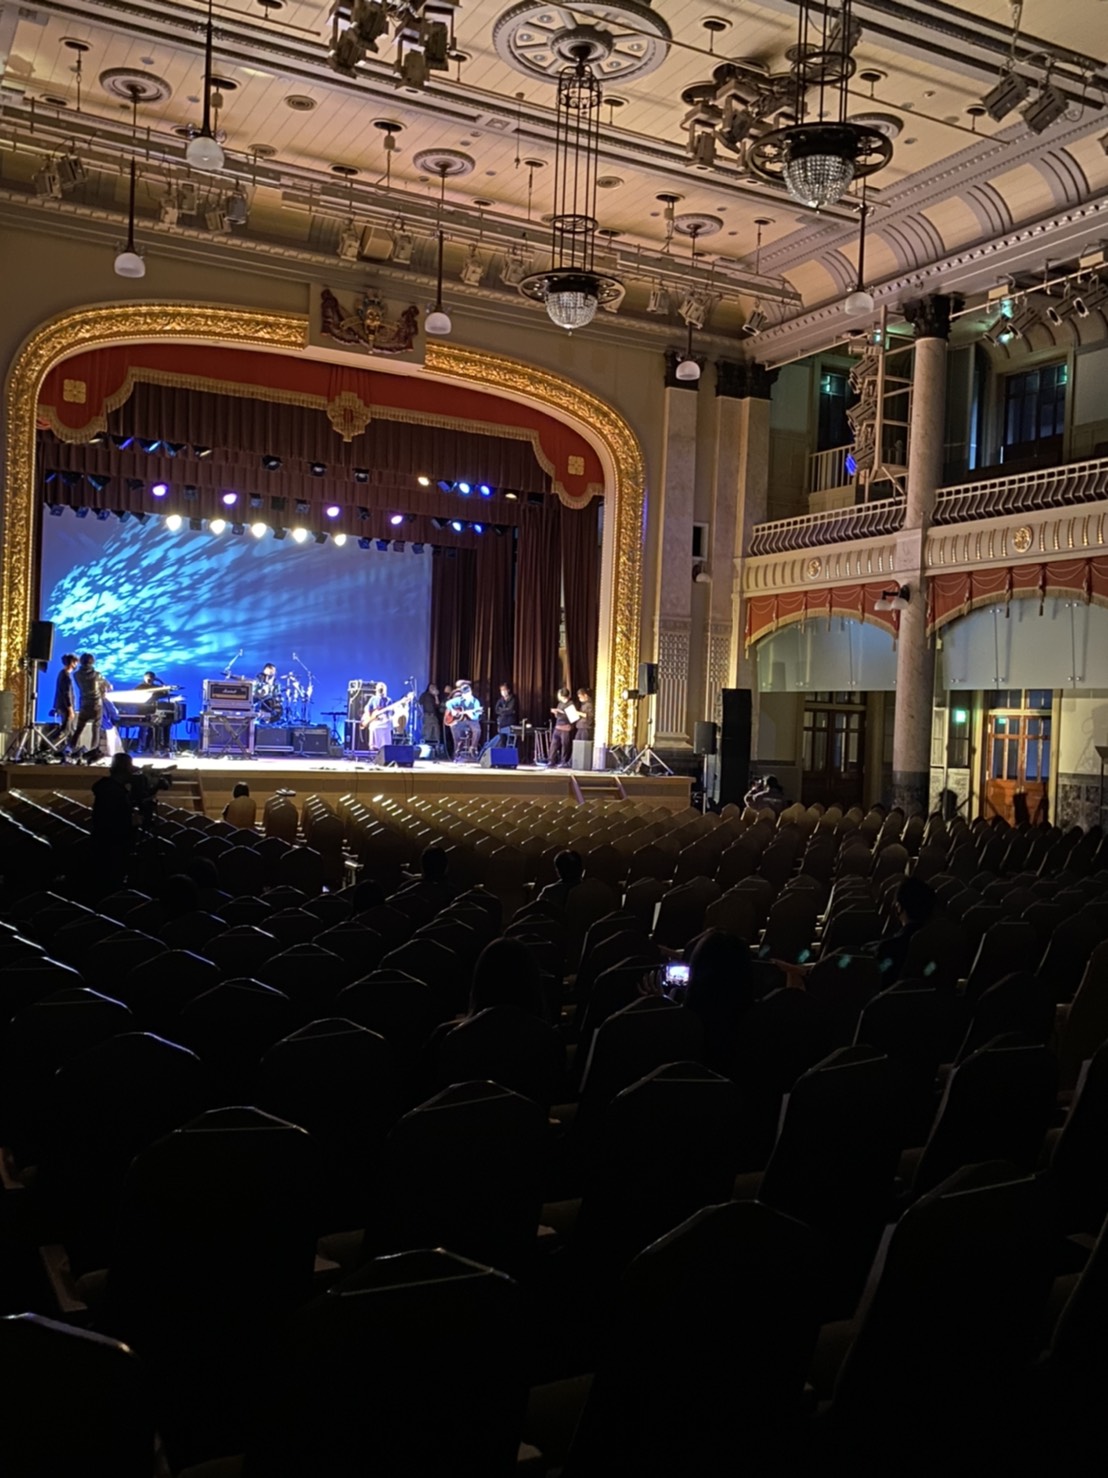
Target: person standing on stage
(430, 708)
(90, 712)
(585, 712)
(66, 701)
(561, 750)
(505, 719)
(463, 713)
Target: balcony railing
(828, 470)
(1024, 492)
(863, 521)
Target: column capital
(742, 379)
(673, 359)
(930, 316)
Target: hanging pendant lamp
(128, 262)
(438, 320)
(859, 300)
(203, 151)
(688, 370)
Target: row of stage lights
(100, 483)
(174, 522)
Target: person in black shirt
(505, 718)
(113, 821)
(586, 710)
(90, 713)
(64, 707)
(561, 741)
(430, 706)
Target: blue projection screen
(139, 597)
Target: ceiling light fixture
(1046, 109)
(822, 151)
(858, 300)
(203, 151)
(572, 289)
(438, 320)
(688, 368)
(128, 262)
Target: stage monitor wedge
(503, 757)
(401, 755)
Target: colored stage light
(317, 469)
(424, 482)
(256, 501)
(360, 474)
(149, 446)
(122, 443)
(464, 488)
(97, 481)
(196, 524)
(365, 543)
(439, 523)
(259, 530)
(320, 538)
(159, 490)
(81, 512)
(103, 514)
(201, 451)
(217, 525)
(417, 548)
(478, 528)
(398, 546)
(174, 522)
(238, 528)
(397, 518)
(511, 497)
(457, 525)
(271, 464)
(230, 499)
(339, 539)
(382, 546)
(333, 510)
(485, 490)
(173, 448)
(444, 487)
(300, 535)
(57, 509)
(303, 508)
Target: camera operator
(124, 797)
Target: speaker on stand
(33, 741)
(704, 746)
(732, 769)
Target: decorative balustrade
(828, 469)
(1024, 492)
(838, 525)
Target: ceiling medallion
(821, 152)
(571, 289)
(133, 86)
(621, 39)
(697, 225)
(448, 164)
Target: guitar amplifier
(359, 690)
(227, 733)
(273, 739)
(228, 695)
(312, 741)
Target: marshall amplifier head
(227, 695)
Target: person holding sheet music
(561, 741)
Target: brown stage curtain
(580, 538)
(471, 622)
(538, 602)
(453, 597)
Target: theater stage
(207, 783)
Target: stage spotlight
(382, 546)
(217, 525)
(191, 490)
(303, 508)
(159, 490)
(424, 482)
(333, 510)
(140, 517)
(279, 532)
(135, 485)
(201, 451)
(457, 525)
(50, 477)
(259, 529)
(150, 447)
(397, 518)
(365, 543)
(238, 528)
(277, 504)
(196, 524)
(444, 486)
(512, 497)
(485, 490)
(230, 499)
(320, 538)
(417, 548)
(464, 488)
(257, 501)
(360, 474)
(73, 479)
(173, 448)
(317, 469)
(81, 512)
(363, 514)
(98, 440)
(56, 510)
(271, 464)
(103, 514)
(123, 443)
(500, 529)
(478, 528)
(122, 514)
(398, 546)
(98, 482)
(535, 500)
(174, 522)
(300, 535)
(339, 539)
(440, 523)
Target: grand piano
(142, 709)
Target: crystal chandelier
(822, 152)
(570, 288)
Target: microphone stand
(309, 689)
(234, 659)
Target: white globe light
(174, 522)
(859, 301)
(258, 530)
(818, 180)
(571, 308)
(688, 369)
(203, 152)
(300, 535)
(217, 526)
(129, 264)
(437, 322)
(339, 539)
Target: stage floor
(212, 780)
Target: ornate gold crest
(1022, 539)
(365, 326)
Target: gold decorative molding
(618, 647)
(1021, 539)
(48, 345)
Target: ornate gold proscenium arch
(92, 328)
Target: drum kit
(286, 700)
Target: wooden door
(1017, 764)
(834, 748)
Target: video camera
(146, 786)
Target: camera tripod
(29, 742)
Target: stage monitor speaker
(733, 759)
(582, 754)
(40, 641)
(311, 741)
(273, 739)
(704, 737)
(398, 754)
(503, 757)
(648, 677)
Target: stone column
(674, 604)
(743, 445)
(915, 656)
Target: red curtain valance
(78, 395)
(766, 613)
(960, 592)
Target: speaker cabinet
(398, 754)
(40, 641)
(648, 677)
(311, 741)
(504, 757)
(704, 737)
(732, 768)
(273, 739)
(227, 733)
(582, 754)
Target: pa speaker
(40, 641)
(648, 677)
(399, 754)
(733, 766)
(311, 741)
(503, 757)
(704, 737)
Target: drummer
(267, 696)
